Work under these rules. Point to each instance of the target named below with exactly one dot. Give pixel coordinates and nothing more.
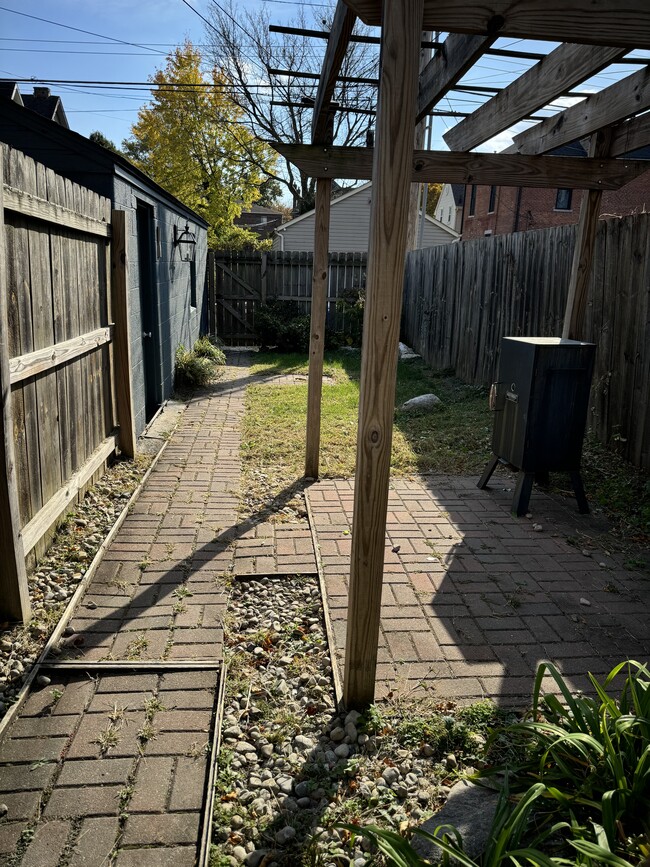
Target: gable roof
(47, 105)
(348, 195)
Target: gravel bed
(60, 570)
(290, 766)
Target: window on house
(493, 200)
(472, 201)
(563, 199)
(449, 215)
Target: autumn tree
(279, 107)
(191, 140)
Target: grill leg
(487, 472)
(522, 493)
(578, 487)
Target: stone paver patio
(110, 767)
(474, 599)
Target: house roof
(458, 192)
(348, 195)
(44, 103)
(262, 209)
(102, 158)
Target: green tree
(190, 140)
(99, 138)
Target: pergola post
(391, 177)
(583, 254)
(319, 288)
(14, 592)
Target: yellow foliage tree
(190, 141)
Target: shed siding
(349, 228)
(178, 322)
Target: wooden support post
(583, 253)
(402, 26)
(121, 339)
(264, 279)
(14, 593)
(319, 286)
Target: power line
(79, 30)
(233, 19)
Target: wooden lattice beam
(556, 74)
(514, 170)
(615, 103)
(337, 45)
(456, 56)
(596, 22)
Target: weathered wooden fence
(460, 299)
(57, 369)
(239, 282)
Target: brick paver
(474, 599)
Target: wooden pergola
(593, 34)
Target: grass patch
(454, 439)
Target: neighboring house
(449, 207)
(501, 210)
(349, 226)
(166, 294)
(260, 219)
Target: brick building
(501, 210)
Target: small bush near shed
(193, 369)
(205, 348)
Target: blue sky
(35, 49)
(157, 24)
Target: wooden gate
(240, 282)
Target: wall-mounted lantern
(186, 243)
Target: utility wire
(79, 30)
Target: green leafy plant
(192, 370)
(579, 791)
(284, 325)
(205, 348)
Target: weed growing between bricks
(56, 575)
(291, 766)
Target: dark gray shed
(166, 294)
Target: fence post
(121, 337)
(212, 301)
(264, 284)
(14, 592)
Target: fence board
(58, 317)
(461, 299)
(244, 281)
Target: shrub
(281, 324)
(192, 370)
(352, 305)
(205, 348)
(580, 791)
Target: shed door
(148, 309)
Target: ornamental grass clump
(192, 370)
(205, 348)
(574, 779)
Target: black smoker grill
(540, 402)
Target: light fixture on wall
(186, 243)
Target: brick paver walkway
(474, 599)
(105, 767)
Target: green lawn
(455, 439)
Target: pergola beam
(553, 76)
(631, 135)
(514, 170)
(605, 108)
(448, 65)
(594, 22)
(384, 285)
(337, 46)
